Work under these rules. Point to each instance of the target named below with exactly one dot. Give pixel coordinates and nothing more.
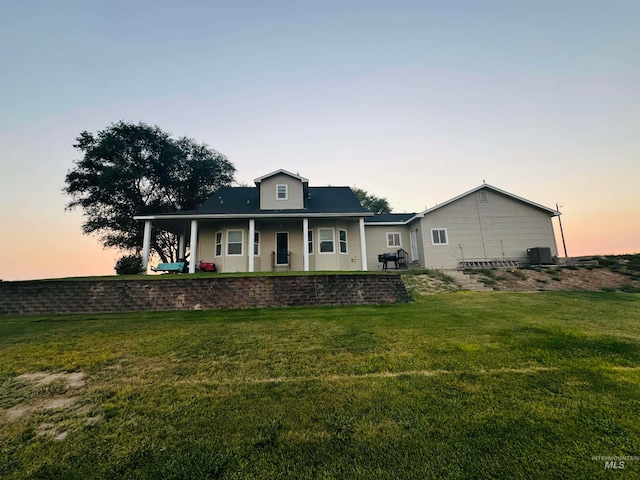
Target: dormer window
(282, 192)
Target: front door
(282, 248)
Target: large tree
(371, 202)
(135, 169)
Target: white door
(413, 238)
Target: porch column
(193, 246)
(363, 245)
(305, 244)
(181, 246)
(250, 243)
(146, 246)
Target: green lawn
(462, 385)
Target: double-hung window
(326, 240)
(218, 244)
(439, 236)
(234, 242)
(282, 192)
(256, 244)
(342, 237)
(310, 241)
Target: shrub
(129, 265)
(518, 274)
(608, 262)
(628, 288)
(486, 272)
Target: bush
(628, 288)
(518, 274)
(129, 265)
(487, 272)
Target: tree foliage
(371, 202)
(136, 169)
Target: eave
(231, 216)
(551, 211)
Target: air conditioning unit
(540, 256)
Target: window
(393, 240)
(256, 244)
(218, 244)
(282, 192)
(310, 242)
(342, 236)
(326, 240)
(234, 242)
(483, 197)
(439, 236)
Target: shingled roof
(390, 218)
(245, 201)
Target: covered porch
(264, 243)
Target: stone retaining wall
(99, 296)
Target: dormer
(282, 190)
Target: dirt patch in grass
(73, 380)
(51, 395)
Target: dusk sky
(414, 101)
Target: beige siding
(377, 242)
(268, 188)
(500, 228)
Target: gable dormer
(282, 190)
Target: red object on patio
(207, 267)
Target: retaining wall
(99, 296)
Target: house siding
(500, 228)
(268, 200)
(376, 236)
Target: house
(483, 225)
(284, 224)
(280, 224)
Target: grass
(463, 385)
